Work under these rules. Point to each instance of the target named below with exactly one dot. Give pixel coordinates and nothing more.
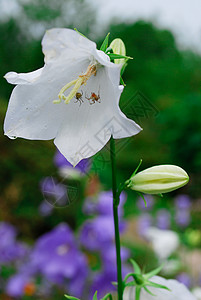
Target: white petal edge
(23, 78)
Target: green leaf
(95, 296)
(136, 267)
(104, 45)
(79, 32)
(117, 56)
(71, 298)
(154, 272)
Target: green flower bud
(158, 179)
(118, 47)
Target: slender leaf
(95, 296)
(106, 297)
(79, 32)
(117, 56)
(71, 298)
(104, 45)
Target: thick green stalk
(116, 219)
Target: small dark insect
(94, 98)
(78, 97)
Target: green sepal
(71, 298)
(148, 291)
(154, 272)
(95, 296)
(121, 81)
(109, 50)
(106, 297)
(142, 196)
(83, 36)
(123, 67)
(117, 56)
(137, 168)
(104, 45)
(136, 267)
(156, 285)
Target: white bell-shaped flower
(73, 99)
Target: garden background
(162, 94)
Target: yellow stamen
(82, 79)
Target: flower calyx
(141, 281)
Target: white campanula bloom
(164, 242)
(178, 291)
(73, 99)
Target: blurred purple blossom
(10, 249)
(185, 279)
(55, 193)
(97, 233)
(182, 218)
(45, 209)
(61, 163)
(149, 200)
(144, 222)
(183, 202)
(57, 256)
(163, 219)
(103, 204)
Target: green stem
(116, 219)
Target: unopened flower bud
(118, 47)
(158, 179)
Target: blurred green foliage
(162, 94)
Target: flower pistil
(82, 79)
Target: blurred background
(53, 218)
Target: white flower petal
(93, 124)
(23, 78)
(31, 113)
(178, 291)
(57, 40)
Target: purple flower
(57, 257)
(183, 202)
(144, 222)
(10, 249)
(149, 200)
(61, 162)
(97, 233)
(103, 205)
(55, 193)
(109, 255)
(163, 219)
(182, 218)
(45, 209)
(102, 281)
(185, 279)
(16, 286)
